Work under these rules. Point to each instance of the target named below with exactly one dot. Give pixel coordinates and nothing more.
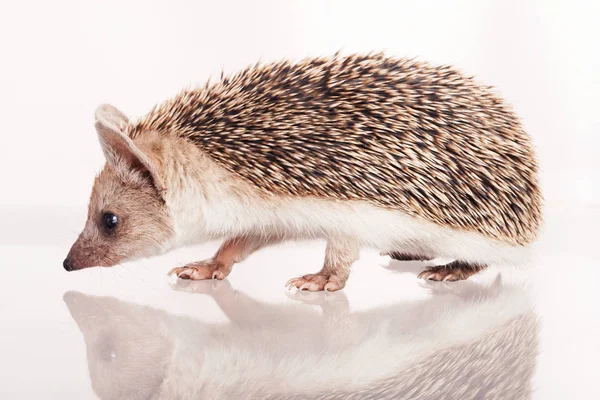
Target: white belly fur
(369, 225)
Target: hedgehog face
(127, 215)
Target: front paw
(317, 282)
(207, 269)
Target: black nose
(68, 264)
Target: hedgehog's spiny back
(400, 134)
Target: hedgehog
(412, 159)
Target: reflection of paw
(207, 269)
(317, 282)
(467, 290)
(209, 287)
(443, 288)
(334, 303)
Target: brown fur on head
(127, 215)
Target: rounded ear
(112, 115)
(119, 149)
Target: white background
(62, 58)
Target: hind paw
(455, 271)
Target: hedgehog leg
(395, 255)
(454, 271)
(339, 256)
(219, 266)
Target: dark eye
(110, 221)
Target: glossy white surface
(386, 332)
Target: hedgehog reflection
(293, 351)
